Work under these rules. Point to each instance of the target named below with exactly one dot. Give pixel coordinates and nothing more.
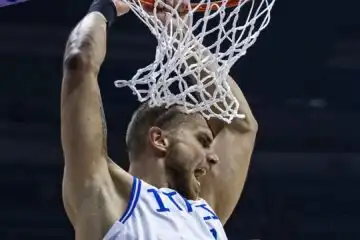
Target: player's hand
(121, 7)
(164, 14)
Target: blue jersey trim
(137, 195)
(134, 198)
(131, 199)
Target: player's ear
(158, 139)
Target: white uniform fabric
(163, 213)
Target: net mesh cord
(188, 47)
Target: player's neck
(150, 171)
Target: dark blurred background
(301, 78)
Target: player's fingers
(166, 6)
(121, 7)
(170, 5)
(185, 5)
(163, 16)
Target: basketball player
(186, 174)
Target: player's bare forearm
(82, 118)
(233, 144)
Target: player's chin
(190, 191)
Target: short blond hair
(146, 117)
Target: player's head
(182, 143)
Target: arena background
(301, 79)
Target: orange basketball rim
(201, 7)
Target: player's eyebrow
(206, 133)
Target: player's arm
(233, 144)
(83, 128)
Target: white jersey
(154, 213)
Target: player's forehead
(196, 120)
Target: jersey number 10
(189, 207)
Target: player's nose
(212, 158)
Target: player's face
(190, 156)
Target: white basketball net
(184, 51)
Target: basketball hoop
(218, 38)
(200, 7)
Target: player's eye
(204, 140)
